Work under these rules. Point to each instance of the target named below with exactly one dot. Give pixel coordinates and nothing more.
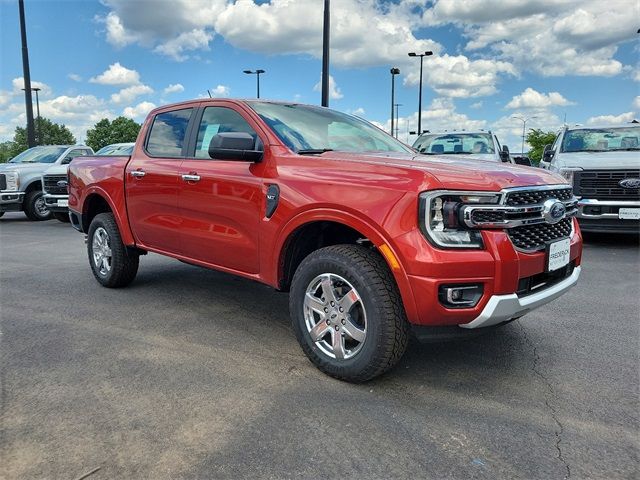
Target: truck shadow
(611, 239)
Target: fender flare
(357, 222)
(122, 222)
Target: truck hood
(23, 168)
(57, 170)
(454, 172)
(598, 160)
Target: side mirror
(547, 155)
(66, 160)
(504, 154)
(522, 161)
(234, 146)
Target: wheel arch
(98, 201)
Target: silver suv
(21, 178)
(603, 164)
(477, 145)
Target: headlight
(568, 173)
(13, 180)
(441, 220)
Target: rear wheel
(112, 263)
(62, 217)
(35, 207)
(347, 313)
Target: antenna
(209, 93)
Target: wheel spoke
(327, 289)
(353, 331)
(107, 251)
(103, 264)
(315, 304)
(337, 342)
(320, 330)
(349, 300)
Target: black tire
(33, 206)
(123, 263)
(387, 330)
(1, 214)
(62, 217)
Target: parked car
(603, 165)
(478, 145)
(371, 240)
(21, 178)
(54, 181)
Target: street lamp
(394, 71)
(524, 124)
(421, 55)
(31, 141)
(257, 74)
(38, 128)
(397, 126)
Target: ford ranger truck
(603, 165)
(371, 240)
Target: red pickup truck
(373, 241)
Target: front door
(152, 182)
(221, 200)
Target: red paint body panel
(219, 222)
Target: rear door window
(168, 132)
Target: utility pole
(394, 71)
(421, 55)
(397, 116)
(325, 54)
(31, 137)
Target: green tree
(6, 148)
(105, 132)
(538, 139)
(47, 133)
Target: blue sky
(492, 59)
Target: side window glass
(555, 142)
(168, 132)
(221, 120)
(73, 154)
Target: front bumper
(502, 308)
(53, 202)
(604, 216)
(11, 201)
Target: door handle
(138, 173)
(190, 177)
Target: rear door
(221, 200)
(152, 182)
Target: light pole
(38, 128)
(394, 71)
(524, 125)
(31, 141)
(257, 74)
(326, 34)
(421, 55)
(397, 126)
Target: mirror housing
(504, 154)
(547, 154)
(66, 160)
(526, 161)
(234, 146)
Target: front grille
(532, 197)
(535, 237)
(51, 184)
(534, 283)
(604, 184)
(481, 216)
(3, 182)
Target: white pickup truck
(603, 165)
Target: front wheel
(35, 207)
(347, 312)
(112, 263)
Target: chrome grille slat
(51, 184)
(535, 237)
(603, 184)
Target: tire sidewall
(310, 269)
(95, 224)
(32, 211)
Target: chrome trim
(501, 308)
(191, 178)
(138, 173)
(592, 202)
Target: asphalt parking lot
(190, 373)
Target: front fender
(117, 207)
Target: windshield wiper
(313, 151)
(630, 149)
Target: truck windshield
(455, 143)
(601, 139)
(39, 155)
(309, 129)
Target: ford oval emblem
(62, 183)
(553, 211)
(630, 183)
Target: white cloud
(531, 98)
(360, 112)
(75, 77)
(196, 39)
(128, 94)
(636, 103)
(476, 105)
(173, 88)
(18, 85)
(220, 91)
(334, 91)
(5, 98)
(509, 129)
(612, 119)
(117, 35)
(116, 74)
(139, 111)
